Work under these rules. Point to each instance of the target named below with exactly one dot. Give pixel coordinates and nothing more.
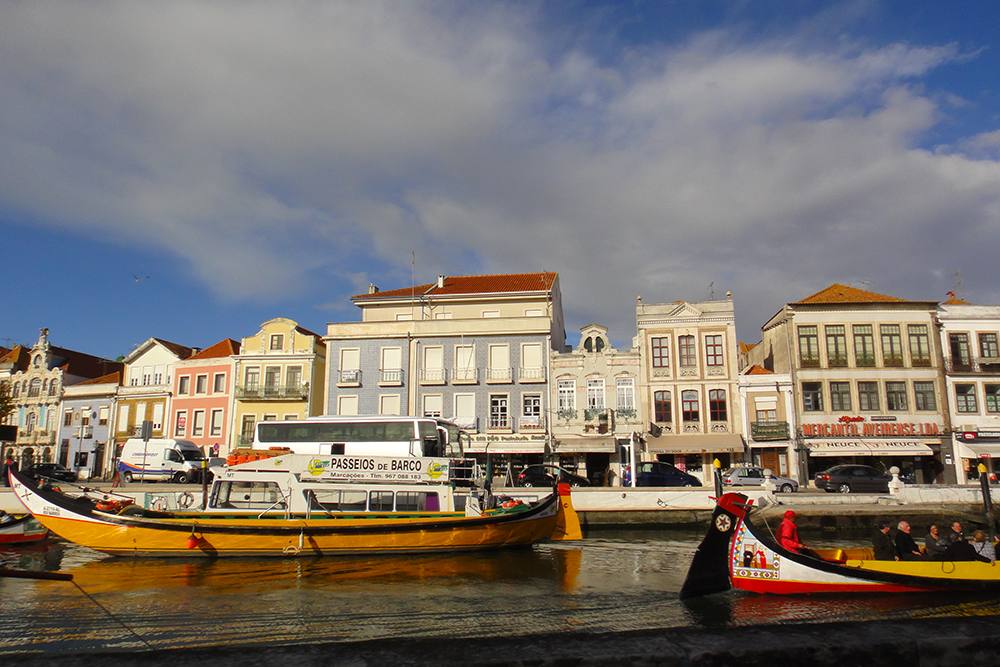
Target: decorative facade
(203, 389)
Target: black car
(546, 475)
(657, 473)
(50, 470)
(853, 478)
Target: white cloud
(262, 142)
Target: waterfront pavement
(933, 642)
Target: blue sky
(261, 159)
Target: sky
(190, 170)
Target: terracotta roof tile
(105, 379)
(495, 284)
(955, 301)
(843, 294)
(758, 370)
(223, 348)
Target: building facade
(689, 382)
(968, 336)
(280, 374)
(473, 349)
(86, 427)
(147, 392)
(594, 394)
(866, 369)
(767, 401)
(203, 390)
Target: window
(660, 352)
(662, 409)
(595, 394)
(895, 396)
(625, 393)
(868, 396)
(67, 419)
(465, 410)
(444, 316)
(158, 375)
(965, 398)
(892, 345)
(216, 427)
(433, 404)
(532, 366)
(433, 369)
(391, 370)
(122, 418)
(499, 414)
(809, 346)
(567, 394)
(992, 398)
(767, 416)
(490, 314)
(687, 353)
(836, 346)
(713, 350)
(689, 406)
(404, 317)
(252, 376)
(593, 344)
(531, 411)
(147, 375)
(389, 404)
(499, 368)
(277, 342)
(219, 387)
(347, 406)
(102, 415)
(201, 384)
(198, 423)
(350, 366)
(532, 312)
(812, 396)
(864, 345)
(465, 364)
(158, 416)
(988, 345)
(959, 344)
(246, 428)
(184, 385)
(717, 404)
(840, 396)
(920, 348)
(180, 424)
(293, 377)
(923, 396)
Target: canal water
(610, 581)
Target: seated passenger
(882, 543)
(788, 536)
(906, 547)
(934, 544)
(983, 546)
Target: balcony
(892, 361)
(864, 361)
(809, 362)
(531, 374)
(464, 375)
(764, 431)
(837, 360)
(499, 375)
(280, 393)
(974, 365)
(390, 377)
(349, 378)
(499, 422)
(432, 376)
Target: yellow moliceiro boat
(300, 505)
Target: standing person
(906, 546)
(882, 543)
(934, 544)
(983, 546)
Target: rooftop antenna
(413, 282)
(711, 291)
(957, 289)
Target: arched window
(35, 388)
(588, 344)
(600, 344)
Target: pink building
(203, 398)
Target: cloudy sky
(270, 159)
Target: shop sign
(482, 439)
(858, 427)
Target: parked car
(852, 478)
(546, 475)
(50, 470)
(754, 476)
(656, 473)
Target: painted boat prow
(709, 570)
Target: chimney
(372, 289)
(440, 281)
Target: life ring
(185, 500)
(110, 505)
(159, 503)
(513, 503)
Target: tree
(6, 401)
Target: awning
(978, 450)
(695, 444)
(868, 448)
(571, 445)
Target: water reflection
(609, 582)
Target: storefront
(975, 447)
(695, 454)
(503, 456)
(879, 443)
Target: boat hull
(23, 530)
(193, 534)
(756, 563)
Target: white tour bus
(382, 435)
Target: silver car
(754, 476)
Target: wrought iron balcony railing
(273, 392)
(763, 431)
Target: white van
(161, 459)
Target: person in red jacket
(788, 533)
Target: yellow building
(279, 375)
